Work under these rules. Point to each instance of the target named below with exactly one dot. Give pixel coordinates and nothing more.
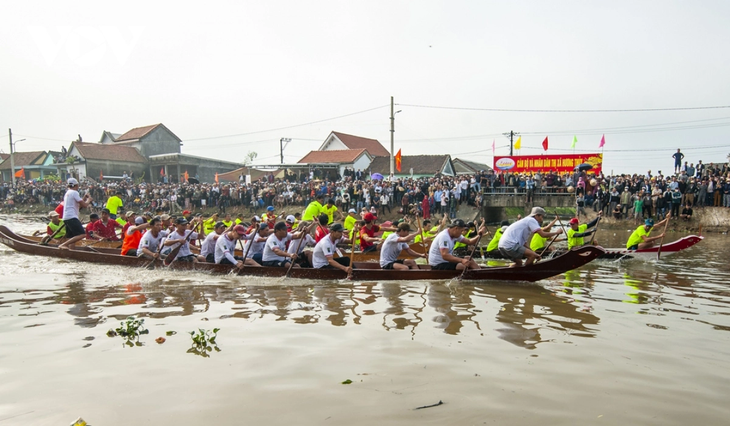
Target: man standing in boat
(640, 239)
(577, 231)
(394, 245)
(72, 202)
(441, 253)
(514, 242)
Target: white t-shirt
(519, 233)
(184, 246)
(71, 202)
(273, 242)
(442, 240)
(208, 245)
(308, 241)
(390, 249)
(258, 246)
(150, 242)
(324, 250)
(224, 248)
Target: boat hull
(364, 271)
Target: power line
(566, 110)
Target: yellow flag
(518, 144)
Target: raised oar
(554, 238)
(594, 230)
(45, 242)
(173, 254)
(473, 249)
(661, 242)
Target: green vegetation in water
(130, 329)
(204, 342)
(347, 382)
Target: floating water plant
(130, 329)
(204, 342)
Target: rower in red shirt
(106, 227)
(367, 233)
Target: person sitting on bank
(617, 213)
(640, 238)
(394, 244)
(577, 232)
(686, 213)
(513, 244)
(324, 251)
(441, 253)
(54, 225)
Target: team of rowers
(267, 241)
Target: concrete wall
(159, 141)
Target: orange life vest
(131, 242)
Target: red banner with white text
(546, 163)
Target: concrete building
(35, 164)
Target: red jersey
(370, 233)
(90, 229)
(320, 233)
(107, 230)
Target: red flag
(216, 177)
(162, 171)
(545, 144)
(397, 160)
(101, 175)
(20, 173)
(186, 176)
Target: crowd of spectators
(622, 196)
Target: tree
(249, 158)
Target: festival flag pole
(575, 141)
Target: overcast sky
(233, 77)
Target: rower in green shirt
(640, 238)
(314, 209)
(577, 231)
(492, 248)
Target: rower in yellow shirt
(330, 209)
(350, 220)
(640, 238)
(314, 209)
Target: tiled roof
(375, 148)
(23, 159)
(421, 164)
(136, 133)
(3, 156)
(344, 156)
(462, 165)
(109, 152)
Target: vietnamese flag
(162, 171)
(101, 175)
(398, 160)
(20, 173)
(186, 175)
(545, 143)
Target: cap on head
(537, 211)
(369, 217)
(219, 225)
(256, 219)
(53, 214)
(105, 211)
(139, 220)
(457, 223)
(504, 223)
(270, 208)
(72, 182)
(574, 221)
(239, 229)
(165, 217)
(649, 222)
(352, 211)
(181, 221)
(336, 227)
(130, 214)
(186, 212)
(291, 218)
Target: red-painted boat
(364, 271)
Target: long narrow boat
(364, 271)
(668, 249)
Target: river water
(629, 342)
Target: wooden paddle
(661, 242)
(254, 231)
(299, 245)
(471, 255)
(420, 231)
(173, 254)
(352, 255)
(554, 238)
(595, 229)
(45, 243)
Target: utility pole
(12, 157)
(511, 135)
(392, 133)
(281, 147)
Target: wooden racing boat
(369, 271)
(84, 242)
(668, 249)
